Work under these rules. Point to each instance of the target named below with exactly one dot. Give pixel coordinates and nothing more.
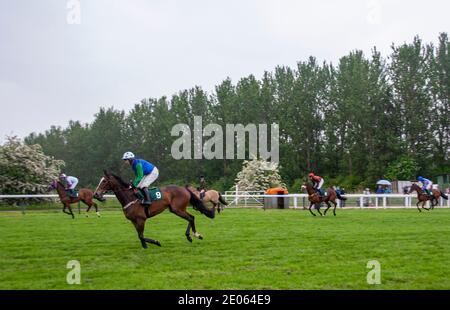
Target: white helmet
(63, 175)
(128, 155)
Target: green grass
(242, 249)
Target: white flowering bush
(258, 175)
(25, 169)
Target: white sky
(122, 51)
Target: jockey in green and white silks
(145, 174)
(70, 183)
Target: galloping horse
(315, 198)
(423, 198)
(85, 195)
(175, 198)
(211, 196)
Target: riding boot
(146, 201)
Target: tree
(257, 175)
(405, 168)
(25, 169)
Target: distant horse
(211, 196)
(315, 199)
(423, 198)
(174, 198)
(85, 195)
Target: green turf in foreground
(242, 249)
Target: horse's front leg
(310, 207)
(318, 208)
(417, 205)
(139, 224)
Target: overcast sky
(52, 70)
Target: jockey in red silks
(317, 183)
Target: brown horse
(175, 198)
(85, 195)
(423, 198)
(211, 196)
(316, 199)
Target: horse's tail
(199, 205)
(222, 201)
(444, 195)
(340, 197)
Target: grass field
(242, 249)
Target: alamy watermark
(234, 140)
(74, 12)
(374, 275)
(74, 275)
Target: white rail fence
(257, 200)
(353, 200)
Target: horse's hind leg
(328, 207)
(191, 225)
(334, 209)
(96, 209)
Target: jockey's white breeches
(319, 186)
(149, 179)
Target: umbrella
(384, 182)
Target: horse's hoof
(157, 243)
(189, 238)
(198, 236)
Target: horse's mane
(120, 180)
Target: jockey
(145, 174)
(427, 185)
(317, 182)
(70, 183)
(202, 187)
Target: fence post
(361, 201)
(384, 202)
(295, 202)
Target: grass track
(242, 249)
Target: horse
(423, 198)
(174, 198)
(85, 195)
(315, 199)
(211, 196)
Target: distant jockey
(202, 187)
(317, 183)
(145, 174)
(70, 183)
(427, 185)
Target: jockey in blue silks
(427, 184)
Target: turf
(242, 249)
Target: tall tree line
(349, 122)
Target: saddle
(72, 193)
(155, 194)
